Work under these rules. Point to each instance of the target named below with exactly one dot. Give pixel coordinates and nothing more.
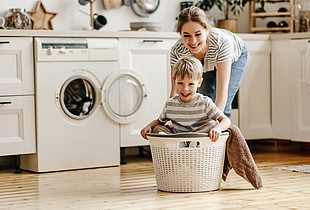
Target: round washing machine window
(124, 96)
(78, 97)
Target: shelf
(261, 29)
(274, 14)
(258, 20)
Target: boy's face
(186, 88)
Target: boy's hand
(144, 131)
(214, 134)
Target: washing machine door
(124, 96)
(79, 95)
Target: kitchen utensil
(83, 2)
(99, 21)
(143, 8)
(149, 26)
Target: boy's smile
(186, 88)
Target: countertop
(109, 34)
(304, 35)
(101, 34)
(136, 34)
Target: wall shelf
(258, 20)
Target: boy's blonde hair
(188, 66)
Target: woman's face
(194, 37)
(186, 88)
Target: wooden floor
(133, 186)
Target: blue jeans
(208, 86)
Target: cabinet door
(280, 68)
(300, 89)
(17, 125)
(150, 58)
(255, 92)
(16, 58)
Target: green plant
(227, 6)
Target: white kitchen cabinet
(255, 92)
(280, 89)
(17, 118)
(300, 89)
(150, 58)
(16, 58)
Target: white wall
(70, 18)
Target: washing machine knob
(63, 50)
(50, 50)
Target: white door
(255, 92)
(300, 90)
(150, 58)
(17, 72)
(17, 118)
(17, 130)
(124, 95)
(280, 89)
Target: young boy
(189, 111)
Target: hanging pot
(144, 8)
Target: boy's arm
(224, 124)
(150, 127)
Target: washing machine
(82, 97)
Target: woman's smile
(194, 37)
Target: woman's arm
(222, 83)
(172, 91)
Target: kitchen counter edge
(109, 34)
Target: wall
(70, 17)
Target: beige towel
(239, 157)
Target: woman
(222, 53)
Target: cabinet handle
(4, 42)
(5, 102)
(152, 40)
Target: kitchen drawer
(17, 125)
(258, 46)
(17, 72)
(147, 43)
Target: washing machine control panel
(76, 49)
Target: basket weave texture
(188, 169)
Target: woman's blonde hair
(188, 66)
(194, 14)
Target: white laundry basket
(187, 162)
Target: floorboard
(133, 186)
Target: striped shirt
(189, 117)
(222, 45)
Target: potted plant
(227, 6)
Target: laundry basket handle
(184, 135)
